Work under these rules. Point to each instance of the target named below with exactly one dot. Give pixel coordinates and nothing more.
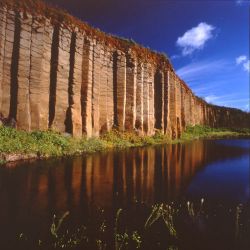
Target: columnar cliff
(57, 72)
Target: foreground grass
(173, 226)
(53, 144)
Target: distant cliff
(57, 72)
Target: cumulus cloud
(241, 59)
(244, 61)
(246, 66)
(211, 98)
(195, 38)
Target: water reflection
(32, 193)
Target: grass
(199, 132)
(52, 144)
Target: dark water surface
(31, 193)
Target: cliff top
(56, 15)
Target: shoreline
(19, 146)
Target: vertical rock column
(24, 65)
(76, 84)
(183, 114)
(145, 99)
(131, 93)
(41, 41)
(86, 90)
(2, 47)
(192, 110)
(103, 90)
(62, 84)
(7, 62)
(121, 91)
(172, 105)
(151, 113)
(159, 99)
(139, 98)
(178, 107)
(186, 107)
(166, 101)
(110, 90)
(96, 90)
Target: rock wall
(57, 72)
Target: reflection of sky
(226, 180)
(242, 143)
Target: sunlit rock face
(56, 72)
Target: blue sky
(207, 41)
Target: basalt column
(159, 99)
(41, 41)
(139, 98)
(110, 89)
(186, 96)
(106, 92)
(178, 106)
(166, 101)
(172, 105)
(8, 56)
(75, 84)
(131, 93)
(103, 91)
(86, 90)
(183, 114)
(121, 91)
(151, 112)
(2, 48)
(23, 79)
(191, 103)
(145, 99)
(97, 56)
(62, 81)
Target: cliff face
(56, 72)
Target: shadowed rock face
(61, 76)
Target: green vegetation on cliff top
(52, 144)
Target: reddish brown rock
(56, 73)
(24, 65)
(7, 59)
(139, 98)
(86, 91)
(62, 84)
(130, 107)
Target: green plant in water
(192, 212)
(165, 212)
(137, 239)
(237, 220)
(56, 226)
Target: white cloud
(202, 69)
(213, 79)
(211, 98)
(244, 61)
(195, 38)
(241, 59)
(246, 66)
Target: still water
(31, 193)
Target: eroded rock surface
(59, 73)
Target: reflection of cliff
(57, 72)
(144, 174)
